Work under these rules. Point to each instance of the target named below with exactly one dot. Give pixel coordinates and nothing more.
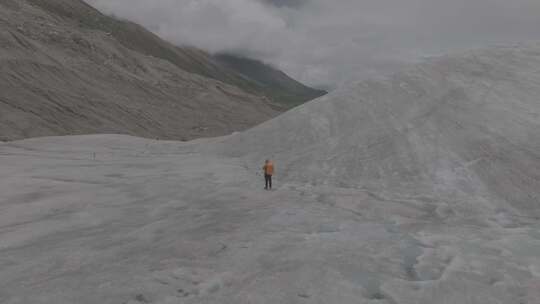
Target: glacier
(419, 187)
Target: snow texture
(423, 187)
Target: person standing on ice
(268, 170)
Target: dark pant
(268, 181)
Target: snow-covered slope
(463, 124)
(422, 188)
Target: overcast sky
(327, 42)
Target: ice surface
(420, 188)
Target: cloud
(287, 3)
(325, 43)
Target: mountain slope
(287, 93)
(137, 38)
(274, 83)
(68, 69)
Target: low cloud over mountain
(324, 42)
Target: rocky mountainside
(250, 75)
(273, 82)
(68, 69)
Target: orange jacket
(268, 169)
